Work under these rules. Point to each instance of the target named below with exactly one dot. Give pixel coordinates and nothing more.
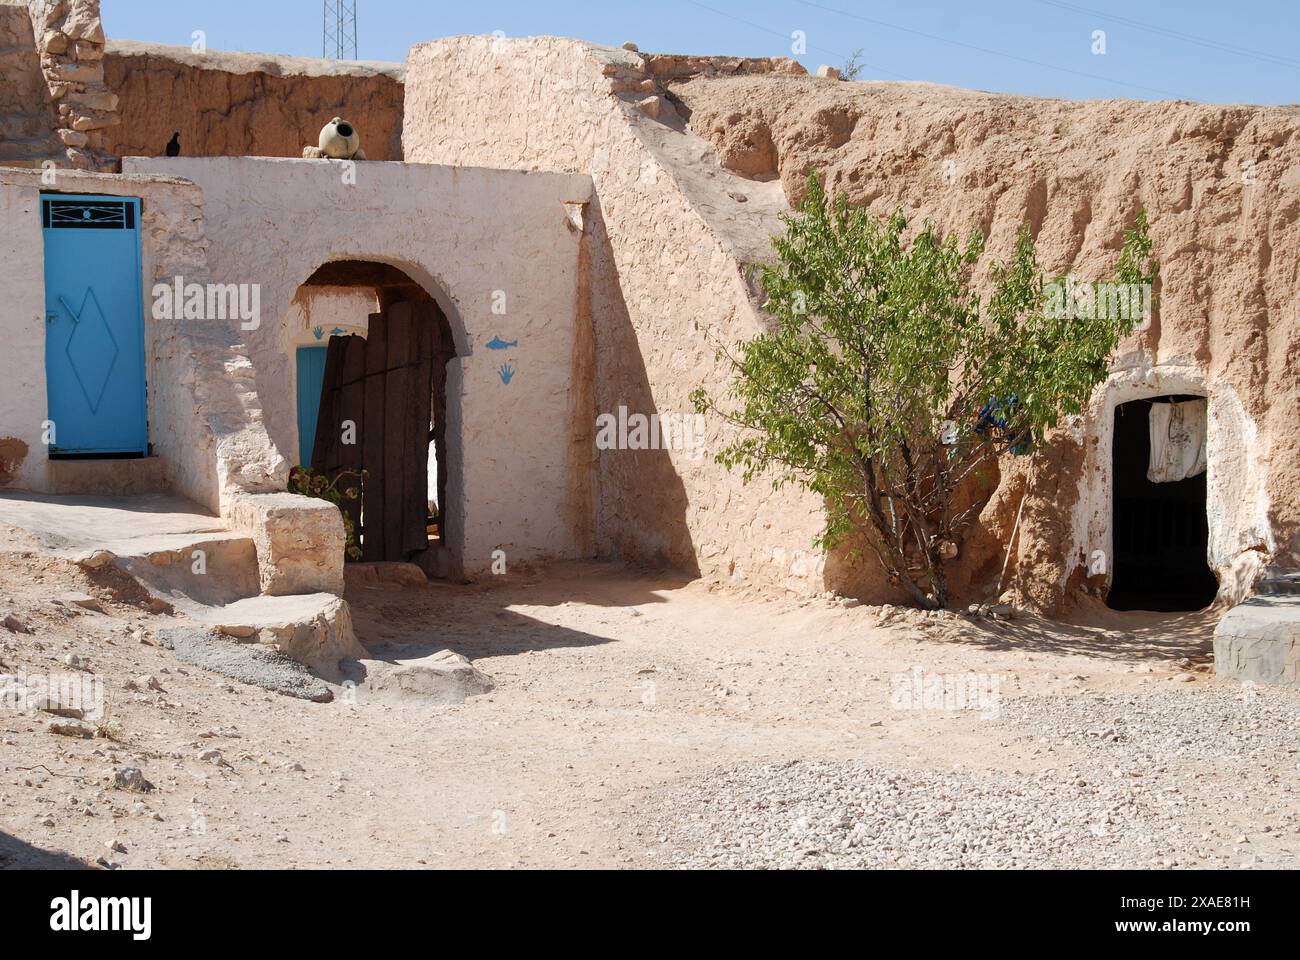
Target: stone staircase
(193, 564)
(1277, 582)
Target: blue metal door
(94, 326)
(311, 381)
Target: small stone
(631, 47)
(144, 684)
(74, 730)
(828, 73)
(98, 560)
(238, 631)
(83, 600)
(132, 779)
(58, 710)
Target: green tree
(887, 385)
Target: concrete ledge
(1260, 641)
(300, 542)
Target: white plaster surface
(670, 236)
(463, 234)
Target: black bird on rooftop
(174, 145)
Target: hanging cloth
(1177, 441)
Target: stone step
(194, 572)
(121, 478)
(1278, 582)
(1259, 641)
(314, 629)
(207, 573)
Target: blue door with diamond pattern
(94, 326)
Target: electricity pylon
(340, 30)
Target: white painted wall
(465, 234)
(203, 420)
(22, 326)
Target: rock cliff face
(242, 104)
(694, 158)
(1221, 186)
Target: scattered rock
(59, 710)
(97, 560)
(144, 684)
(445, 678)
(82, 600)
(238, 632)
(828, 73)
(131, 779)
(75, 730)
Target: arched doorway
(372, 412)
(1160, 525)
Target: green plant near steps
(888, 386)
(308, 483)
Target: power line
(1176, 35)
(991, 52)
(340, 41)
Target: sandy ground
(617, 696)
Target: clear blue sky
(1222, 51)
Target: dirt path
(617, 697)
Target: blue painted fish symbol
(499, 344)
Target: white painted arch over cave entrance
(1240, 540)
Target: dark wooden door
(376, 409)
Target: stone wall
(70, 39)
(669, 243)
(246, 104)
(27, 115)
(69, 96)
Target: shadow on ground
(479, 620)
(1131, 637)
(17, 854)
